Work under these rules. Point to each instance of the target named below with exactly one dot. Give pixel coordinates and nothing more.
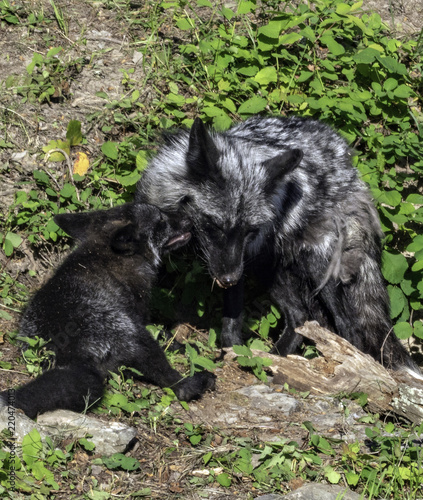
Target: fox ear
(75, 225)
(124, 240)
(284, 193)
(281, 165)
(202, 154)
(84, 225)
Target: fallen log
(343, 369)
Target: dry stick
(68, 162)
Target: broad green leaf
(245, 7)
(185, 24)
(266, 76)
(403, 91)
(68, 190)
(336, 48)
(392, 65)
(271, 30)
(120, 461)
(403, 330)
(195, 439)
(366, 56)
(332, 476)
(222, 122)
(416, 244)
(342, 9)
(110, 150)
(416, 199)
(418, 329)
(242, 350)
(86, 444)
(394, 266)
(398, 300)
(74, 134)
(54, 51)
(31, 447)
(227, 13)
(390, 84)
(290, 38)
(14, 239)
(391, 198)
(57, 156)
(254, 105)
(223, 479)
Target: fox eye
(211, 225)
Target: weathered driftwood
(343, 369)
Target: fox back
(282, 192)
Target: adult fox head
(234, 197)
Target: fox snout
(227, 280)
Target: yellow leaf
(82, 164)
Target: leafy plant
(246, 358)
(37, 356)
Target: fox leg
(151, 361)
(233, 303)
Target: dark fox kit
(282, 196)
(94, 310)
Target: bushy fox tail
(74, 387)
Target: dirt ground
(108, 49)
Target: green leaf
(416, 245)
(87, 445)
(290, 38)
(254, 105)
(394, 266)
(242, 350)
(392, 65)
(195, 439)
(266, 76)
(14, 239)
(223, 479)
(391, 198)
(336, 48)
(403, 330)
(271, 30)
(31, 447)
(120, 461)
(390, 84)
(418, 329)
(366, 56)
(110, 149)
(227, 13)
(398, 300)
(74, 134)
(68, 190)
(352, 478)
(332, 476)
(403, 92)
(185, 24)
(416, 199)
(57, 156)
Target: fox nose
(227, 281)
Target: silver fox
(280, 196)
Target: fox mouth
(178, 240)
(223, 285)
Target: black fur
(283, 192)
(94, 310)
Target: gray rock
(108, 437)
(313, 491)
(271, 496)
